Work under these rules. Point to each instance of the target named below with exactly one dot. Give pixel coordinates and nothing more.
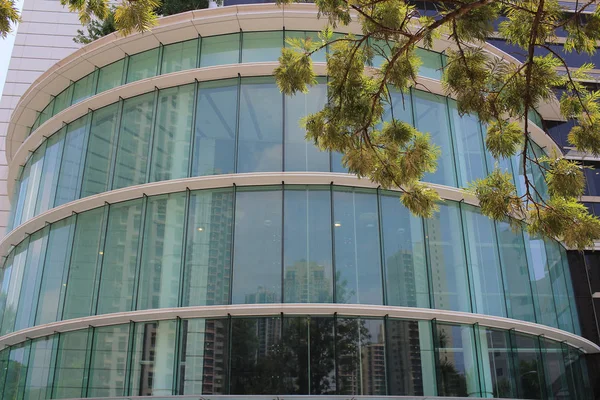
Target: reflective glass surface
(282, 243)
(282, 354)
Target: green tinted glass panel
(84, 88)
(134, 141)
(559, 285)
(110, 76)
(307, 247)
(261, 124)
(69, 179)
(432, 64)
(469, 147)
(220, 50)
(63, 100)
(16, 373)
(5, 274)
(257, 251)
(70, 365)
(404, 255)
(108, 361)
(207, 273)
(261, 46)
(539, 276)
(35, 163)
(496, 359)
(100, 153)
(81, 284)
(216, 126)
(142, 65)
(301, 154)
(39, 370)
(173, 129)
(49, 176)
(55, 269)
(530, 373)
(159, 279)
(179, 56)
(358, 276)
(14, 288)
(120, 257)
(457, 364)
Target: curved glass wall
(292, 355)
(226, 126)
(234, 48)
(282, 244)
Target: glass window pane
(84, 88)
(261, 126)
(517, 288)
(120, 257)
(39, 384)
(360, 354)
(401, 108)
(45, 114)
(530, 376)
(162, 252)
(171, 144)
(216, 125)
(204, 357)
(257, 261)
(134, 141)
(484, 265)
(357, 251)
(572, 300)
(179, 56)
(559, 286)
(432, 117)
(100, 150)
(207, 273)
(498, 373)
(32, 277)
(539, 276)
(301, 154)
(142, 65)
(16, 373)
(256, 356)
(73, 156)
(557, 386)
(7, 267)
(410, 357)
(318, 56)
(404, 255)
(447, 260)
(55, 270)
(457, 370)
(70, 365)
(49, 176)
(432, 64)
(308, 275)
(36, 163)
(153, 358)
(110, 76)
(19, 196)
(109, 360)
(220, 50)
(63, 100)
(14, 287)
(86, 251)
(469, 147)
(261, 46)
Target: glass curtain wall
(291, 355)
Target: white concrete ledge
(251, 310)
(21, 232)
(179, 27)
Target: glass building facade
(244, 287)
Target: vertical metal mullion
(182, 264)
(193, 129)
(140, 249)
(453, 145)
(176, 358)
(53, 366)
(198, 51)
(241, 43)
(236, 146)
(529, 272)
(229, 352)
(71, 90)
(436, 354)
(95, 80)
(39, 186)
(127, 389)
(428, 262)
(282, 247)
(152, 134)
(542, 370)
(386, 356)
(38, 277)
(381, 248)
(552, 284)
(501, 266)
(66, 270)
(232, 249)
(470, 283)
(117, 139)
(161, 48)
(483, 152)
(283, 117)
(60, 164)
(478, 359)
(100, 260)
(27, 343)
(514, 361)
(86, 143)
(125, 69)
(89, 354)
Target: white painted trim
(21, 232)
(248, 310)
(179, 27)
(55, 123)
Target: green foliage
(295, 73)
(421, 200)
(565, 178)
(503, 138)
(497, 195)
(8, 15)
(136, 15)
(96, 29)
